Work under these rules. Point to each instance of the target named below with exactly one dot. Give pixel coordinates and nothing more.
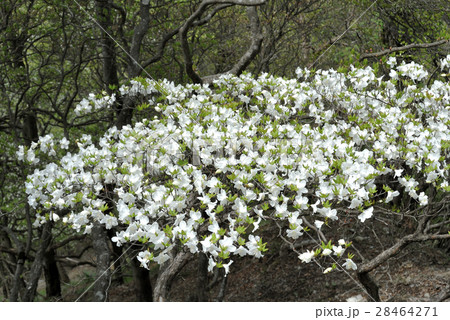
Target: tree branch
(138, 36)
(74, 263)
(404, 48)
(206, 19)
(13, 236)
(160, 49)
(67, 240)
(252, 51)
(188, 64)
(255, 47)
(194, 20)
(166, 276)
(168, 36)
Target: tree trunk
(18, 281)
(100, 243)
(370, 285)
(104, 14)
(167, 274)
(51, 272)
(142, 285)
(12, 260)
(222, 289)
(125, 112)
(30, 128)
(117, 253)
(36, 268)
(202, 278)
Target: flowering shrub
(219, 161)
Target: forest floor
(421, 272)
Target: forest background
(54, 53)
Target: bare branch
(169, 35)
(312, 227)
(68, 240)
(74, 263)
(160, 49)
(184, 43)
(211, 15)
(404, 48)
(8, 250)
(250, 54)
(386, 254)
(255, 47)
(194, 20)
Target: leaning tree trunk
(103, 256)
(167, 274)
(36, 268)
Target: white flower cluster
(220, 160)
(94, 103)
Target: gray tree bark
(202, 277)
(167, 274)
(100, 243)
(36, 268)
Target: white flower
(261, 160)
(338, 250)
(144, 257)
(357, 298)
(295, 233)
(227, 244)
(350, 265)
(307, 256)
(21, 153)
(31, 157)
(391, 195)
(392, 61)
(398, 173)
(318, 224)
(328, 270)
(356, 202)
(241, 251)
(214, 227)
(445, 63)
(161, 258)
(64, 143)
(328, 213)
(393, 74)
(88, 229)
(423, 199)
(211, 264)
(366, 214)
(109, 221)
(227, 267)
